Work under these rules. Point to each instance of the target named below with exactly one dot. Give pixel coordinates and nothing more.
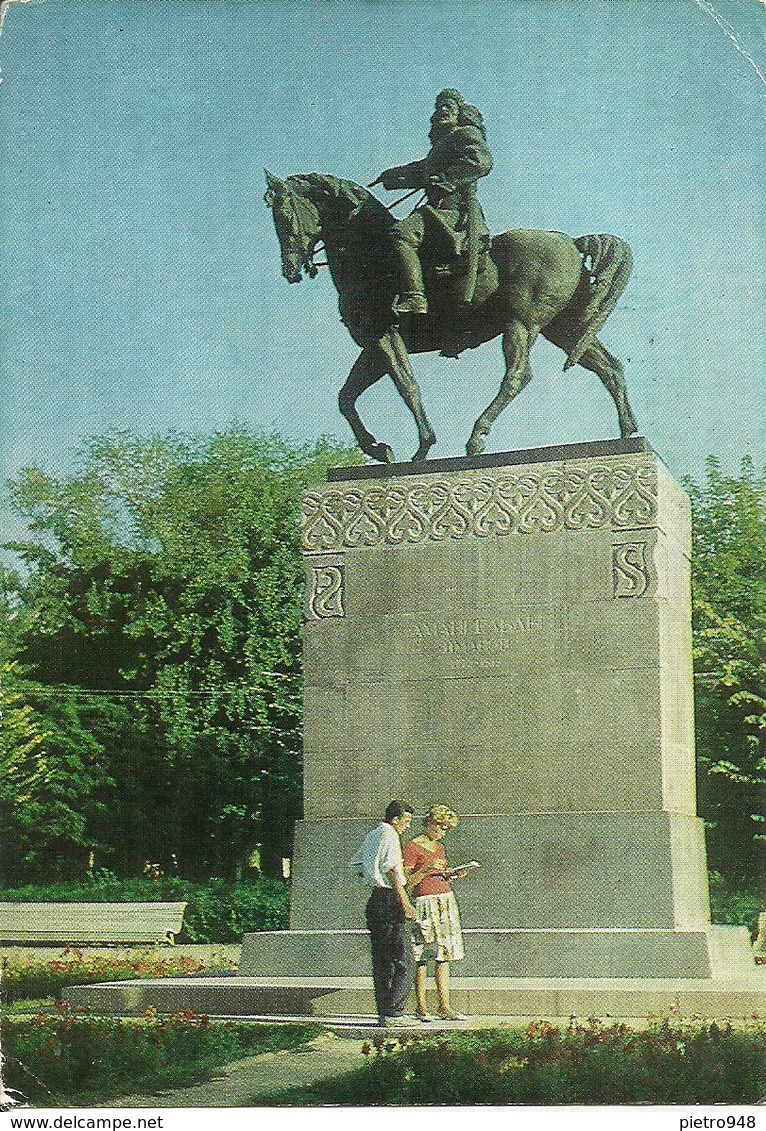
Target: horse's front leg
(517, 341)
(368, 368)
(398, 365)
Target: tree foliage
(163, 590)
(729, 621)
(51, 767)
(22, 764)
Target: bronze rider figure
(451, 218)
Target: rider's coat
(456, 161)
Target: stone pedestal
(510, 636)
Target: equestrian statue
(438, 280)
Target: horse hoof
(474, 447)
(382, 453)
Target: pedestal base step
(635, 999)
(522, 953)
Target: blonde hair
(441, 815)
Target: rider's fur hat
(453, 95)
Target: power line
(111, 692)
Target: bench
(90, 922)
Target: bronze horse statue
(530, 282)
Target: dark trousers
(393, 967)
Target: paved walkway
(244, 1083)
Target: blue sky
(141, 285)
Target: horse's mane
(324, 185)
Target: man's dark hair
(396, 809)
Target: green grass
(668, 1063)
(25, 1006)
(64, 1056)
(217, 911)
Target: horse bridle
(299, 207)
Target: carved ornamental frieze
(617, 495)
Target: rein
(402, 199)
(309, 243)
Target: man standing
(378, 862)
(451, 217)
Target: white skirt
(439, 921)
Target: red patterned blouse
(416, 858)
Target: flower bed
(64, 1056)
(46, 973)
(668, 1063)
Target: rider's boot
(413, 299)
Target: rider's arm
(409, 176)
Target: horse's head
(298, 226)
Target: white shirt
(377, 855)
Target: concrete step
(737, 997)
(603, 952)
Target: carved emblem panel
(631, 569)
(325, 591)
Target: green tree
(164, 583)
(23, 770)
(51, 768)
(729, 620)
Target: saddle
(456, 245)
(459, 264)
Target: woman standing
(436, 908)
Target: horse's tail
(604, 280)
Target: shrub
(668, 1063)
(217, 911)
(223, 912)
(65, 1055)
(735, 901)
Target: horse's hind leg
(395, 351)
(517, 341)
(604, 364)
(368, 368)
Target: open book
(450, 873)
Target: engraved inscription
(630, 569)
(477, 635)
(325, 597)
(619, 495)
